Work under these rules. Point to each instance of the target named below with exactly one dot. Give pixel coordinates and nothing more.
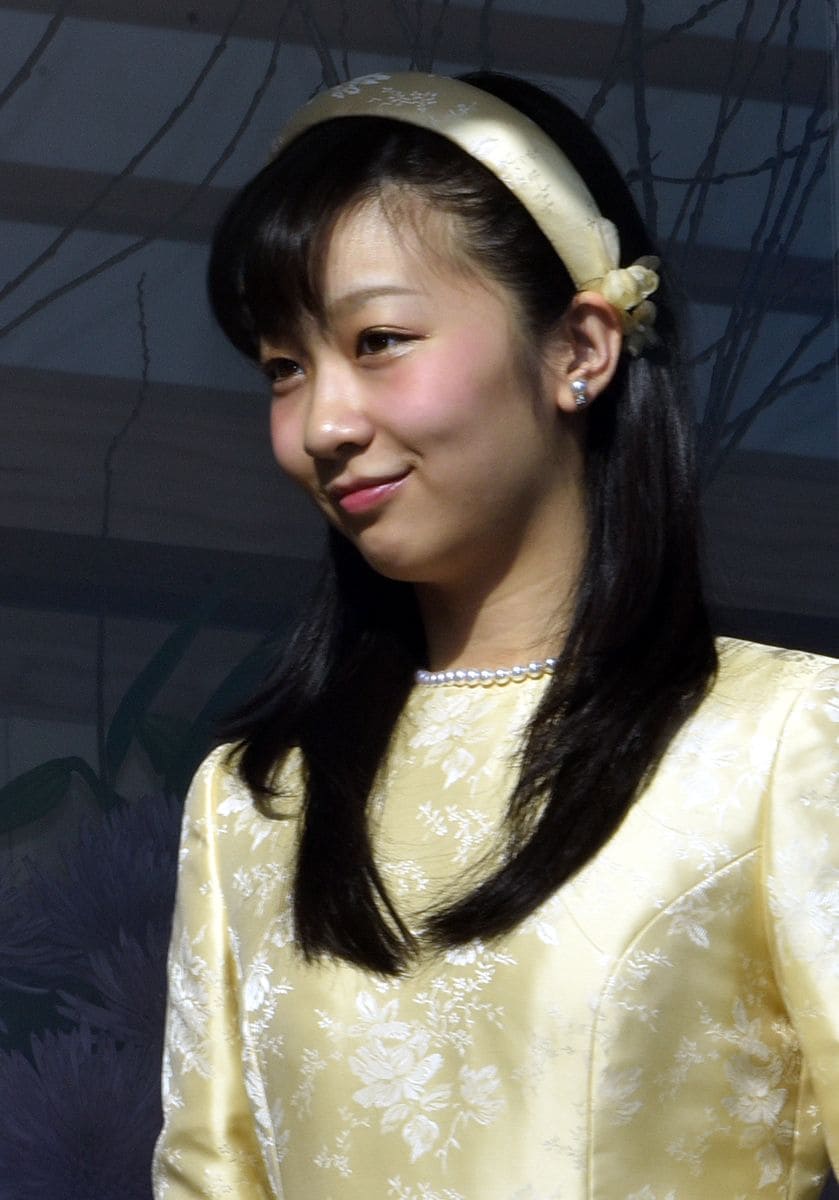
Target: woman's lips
(365, 496)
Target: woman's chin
(393, 566)
(395, 560)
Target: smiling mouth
(367, 496)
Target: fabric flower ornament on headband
(526, 161)
(627, 290)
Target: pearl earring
(580, 389)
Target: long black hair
(639, 654)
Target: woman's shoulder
(761, 676)
(219, 762)
(763, 740)
(764, 704)
(218, 789)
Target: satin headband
(526, 161)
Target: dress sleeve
(803, 885)
(208, 1147)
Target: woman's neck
(508, 598)
(506, 624)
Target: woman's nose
(336, 418)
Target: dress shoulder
(801, 869)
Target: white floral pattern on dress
(197, 988)
(640, 1037)
(810, 913)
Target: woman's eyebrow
(355, 298)
(342, 305)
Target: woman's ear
(590, 337)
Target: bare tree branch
(343, 38)
(703, 356)
(781, 242)
(417, 54)
(635, 21)
(420, 56)
(743, 300)
(27, 67)
(619, 59)
(142, 392)
(610, 77)
(327, 66)
(485, 35)
(437, 32)
(722, 177)
(757, 287)
(727, 111)
(779, 385)
(160, 230)
(105, 524)
(176, 113)
(408, 27)
(685, 26)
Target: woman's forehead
(397, 235)
(392, 242)
(400, 216)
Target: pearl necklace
(473, 678)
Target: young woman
(510, 883)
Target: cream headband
(525, 159)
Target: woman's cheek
(287, 440)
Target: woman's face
(409, 416)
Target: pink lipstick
(363, 497)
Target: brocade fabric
(666, 1027)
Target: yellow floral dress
(666, 1027)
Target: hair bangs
(269, 250)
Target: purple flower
(119, 880)
(131, 982)
(79, 1119)
(26, 954)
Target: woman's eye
(281, 370)
(379, 341)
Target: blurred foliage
(172, 745)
